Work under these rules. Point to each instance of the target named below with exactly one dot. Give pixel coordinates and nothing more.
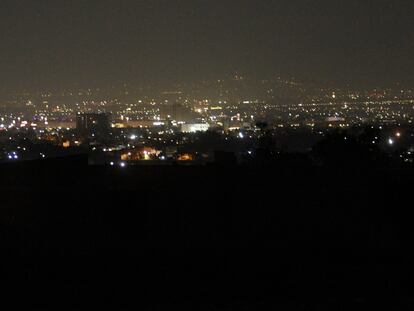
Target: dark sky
(55, 43)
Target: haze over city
(61, 44)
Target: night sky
(56, 43)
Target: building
(195, 127)
(93, 124)
(137, 123)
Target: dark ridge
(205, 236)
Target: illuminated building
(185, 157)
(195, 127)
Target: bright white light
(249, 152)
(15, 156)
(133, 137)
(112, 163)
(398, 134)
(122, 164)
(162, 158)
(241, 135)
(390, 141)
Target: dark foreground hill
(205, 237)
